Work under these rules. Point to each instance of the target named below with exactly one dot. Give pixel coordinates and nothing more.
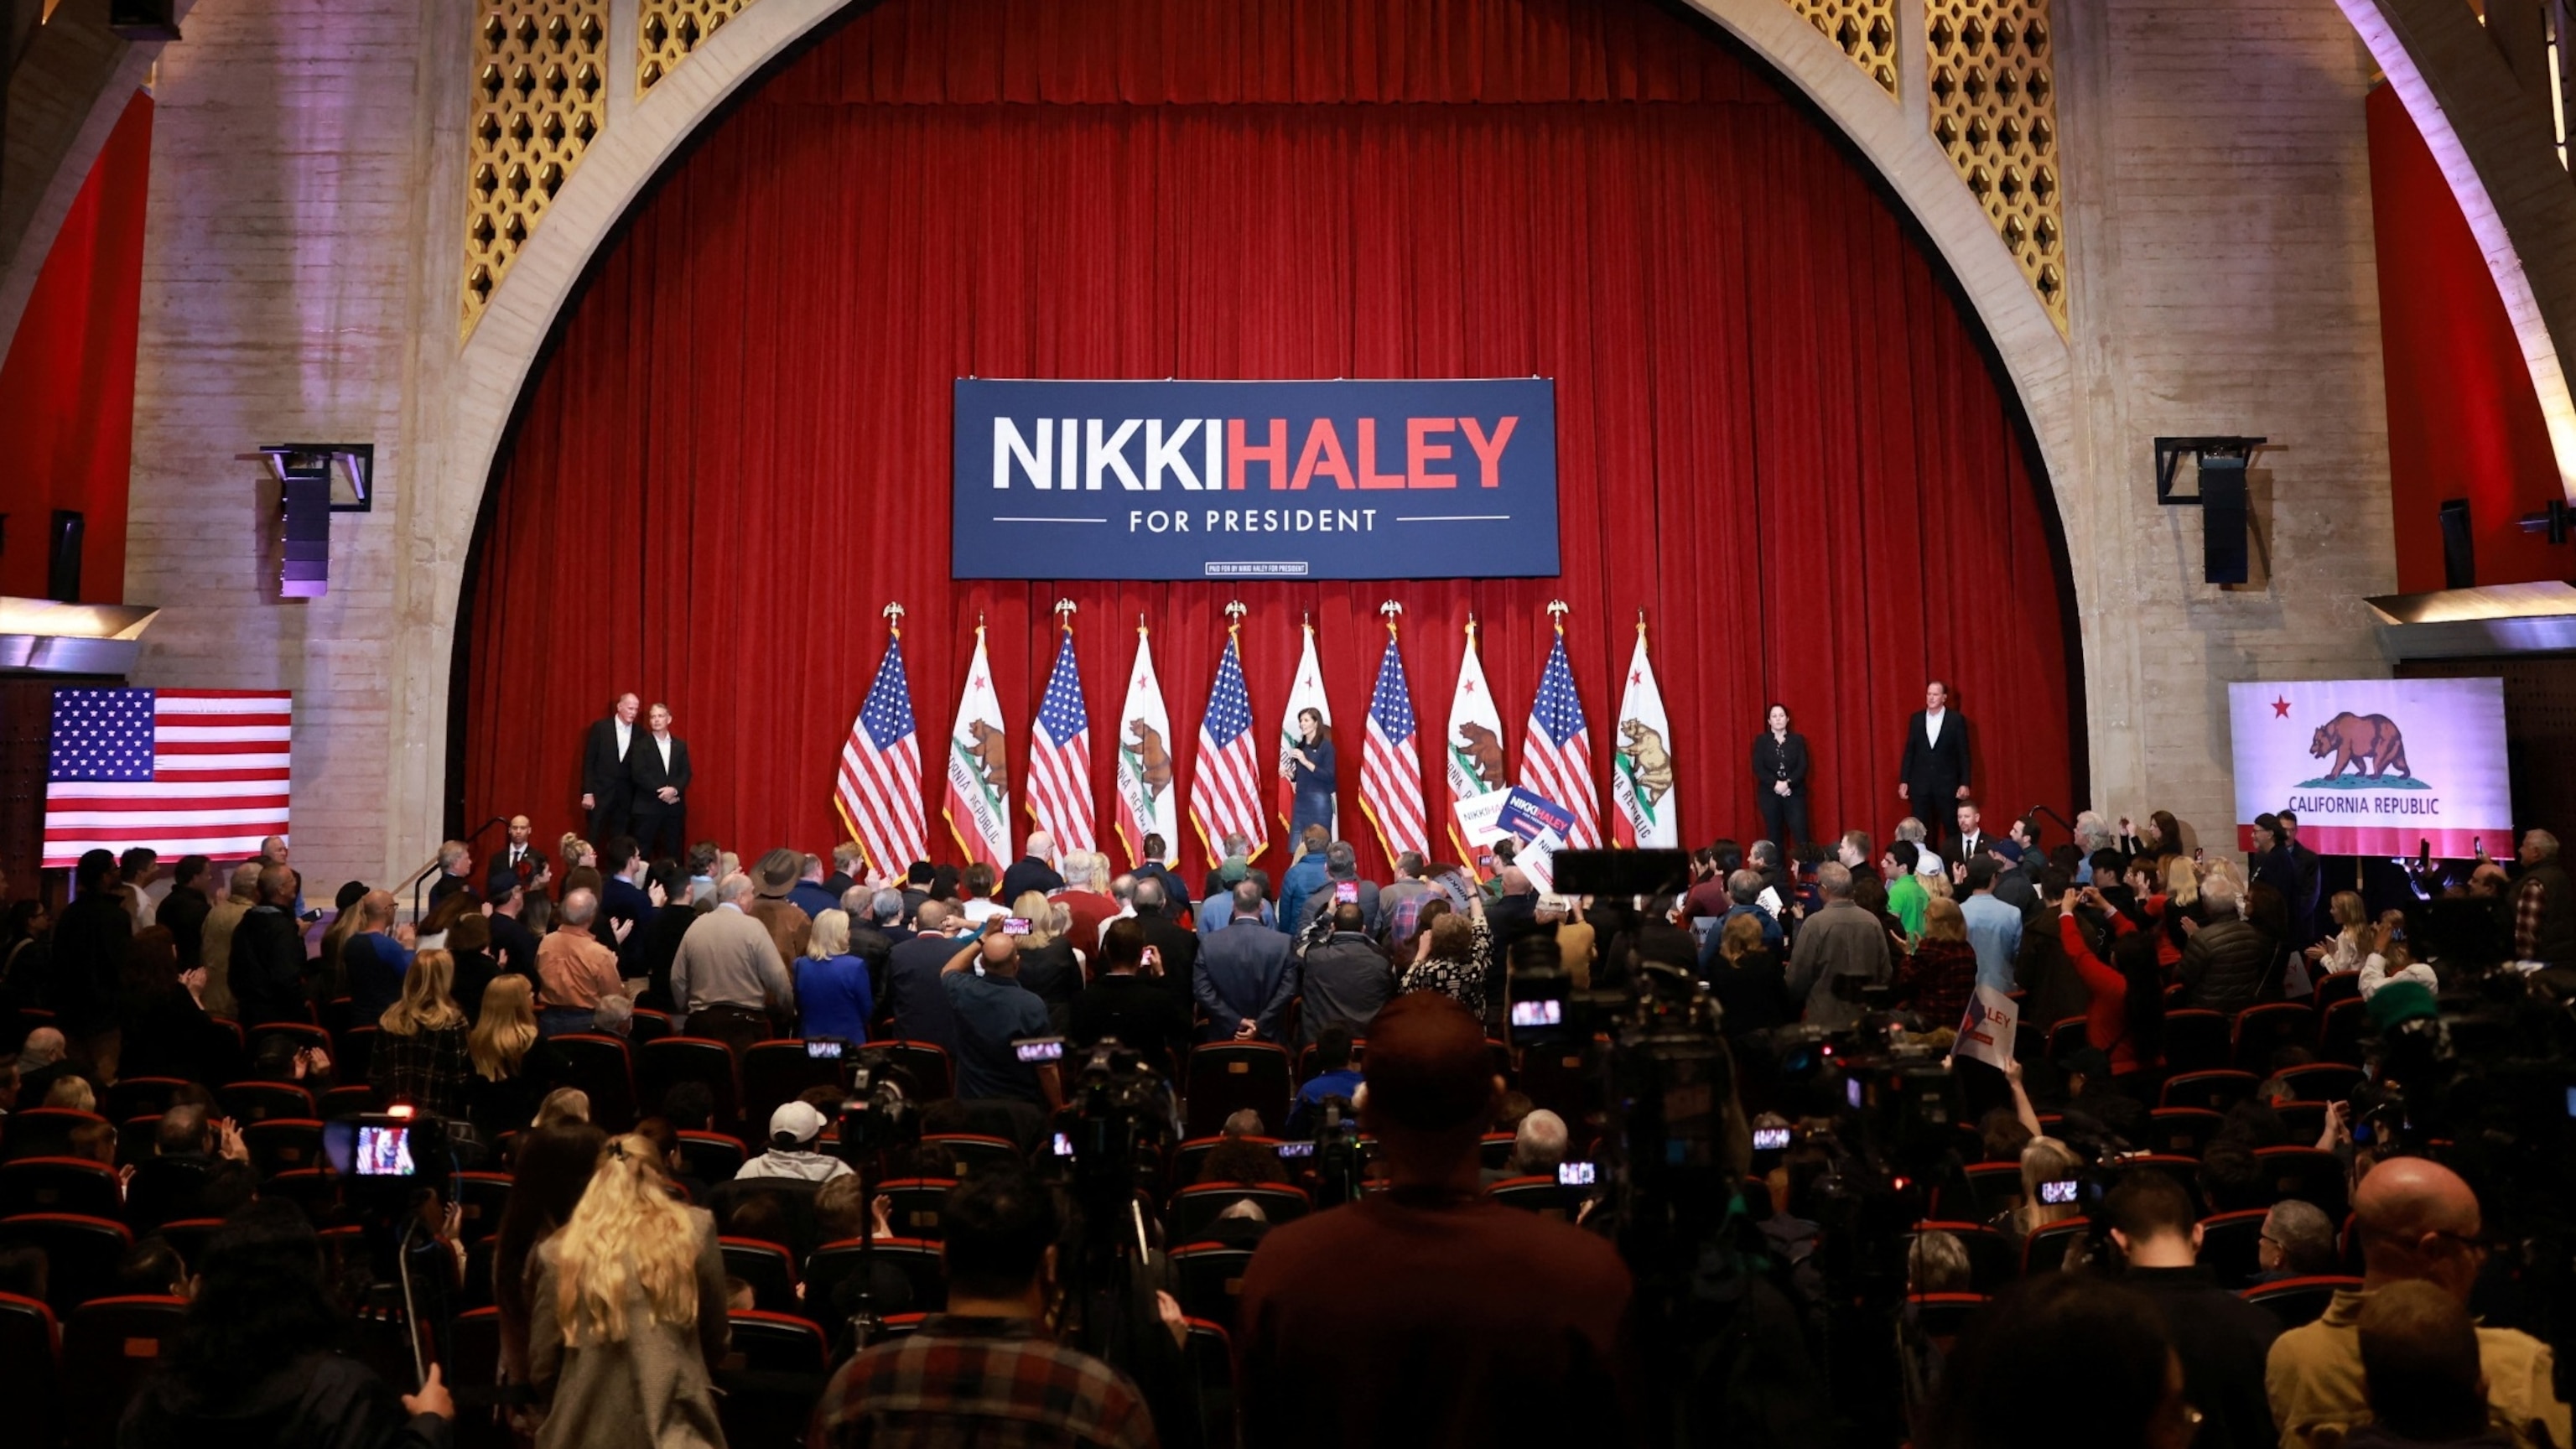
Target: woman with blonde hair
(1049, 965)
(420, 1051)
(2349, 946)
(508, 1080)
(1751, 984)
(629, 1313)
(2048, 1166)
(832, 989)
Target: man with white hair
(1538, 1145)
(1839, 940)
(455, 860)
(2092, 834)
(215, 951)
(2544, 905)
(1085, 897)
(728, 974)
(2226, 962)
(1034, 870)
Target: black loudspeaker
(2459, 546)
(2223, 550)
(304, 514)
(63, 556)
(143, 19)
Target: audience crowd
(2158, 1226)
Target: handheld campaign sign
(1290, 480)
(2374, 766)
(1986, 1032)
(1526, 813)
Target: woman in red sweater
(2126, 1019)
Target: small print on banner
(1526, 813)
(1537, 859)
(1986, 1032)
(1480, 816)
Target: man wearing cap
(1430, 1311)
(792, 1131)
(789, 928)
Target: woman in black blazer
(1780, 777)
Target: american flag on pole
(1391, 773)
(1225, 798)
(1060, 757)
(1556, 753)
(878, 791)
(180, 771)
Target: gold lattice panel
(1865, 29)
(667, 30)
(1994, 109)
(540, 96)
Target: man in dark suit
(1176, 947)
(657, 774)
(1034, 871)
(1973, 839)
(623, 900)
(2301, 880)
(604, 789)
(520, 857)
(1245, 975)
(455, 861)
(1933, 776)
(914, 1004)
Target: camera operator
(986, 1366)
(1144, 1009)
(1430, 1313)
(2419, 1222)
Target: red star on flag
(2280, 709)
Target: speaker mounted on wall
(316, 480)
(143, 19)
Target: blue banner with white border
(1255, 480)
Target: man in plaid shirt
(985, 1372)
(2544, 907)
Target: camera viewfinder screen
(2060, 1191)
(384, 1152)
(1770, 1139)
(823, 1051)
(1574, 1174)
(1051, 1050)
(1550, 1012)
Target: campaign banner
(2375, 766)
(1254, 480)
(1987, 1030)
(1526, 813)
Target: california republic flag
(1307, 693)
(1641, 769)
(1147, 803)
(979, 783)
(1475, 754)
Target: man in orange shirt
(574, 968)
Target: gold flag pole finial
(1235, 609)
(1064, 609)
(894, 619)
(1557, 609)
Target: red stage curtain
(2463, 417)
(1778, 433)
(67, 386)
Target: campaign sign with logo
(1526, 813)
(1254, 480)
(2375, 766)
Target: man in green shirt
(1906, 897)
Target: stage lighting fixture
(2225, 524)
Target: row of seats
(2196, 1039)
(2297, 1302)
